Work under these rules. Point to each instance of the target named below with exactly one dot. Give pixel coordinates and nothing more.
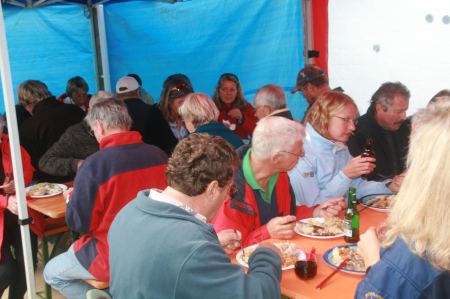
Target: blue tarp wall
(260, 41)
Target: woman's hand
(359, 166)
(230, 240)
(281, 227)
(369, 247)
(397, 181)
(330, 208)
(235, 113)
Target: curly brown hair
(198, 160)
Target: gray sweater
(158, 250)
(74, 145)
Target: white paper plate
(322, 220)
(62, 186)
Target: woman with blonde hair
(415, 250)
(200, 115)
(234, 110)
(328, 170)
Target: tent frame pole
(8, 96)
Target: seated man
(162, 247)
(271, 100)
(263, 205)
(49, 120)
(107, 181)
(386, 124)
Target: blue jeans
(65, 274)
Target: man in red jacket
(106, 182)
(263, 205)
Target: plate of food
(41, 190)
(333, 257)
(290, 251)
(377, 202)
(320, 228)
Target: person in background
(443, 95)
(200, 115)
(328, 170)
(412, 259)
(105, 183)
(48, 122)
(170, 127)
(128, 90)
(144, 95)
(312, 82)
(235, 111)
(263, 205)
(76, 93)
(170, 250)
(66, 155)
(270, 100)
(385, 122)
(12, 267)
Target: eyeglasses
(302, 153)
(347, 119)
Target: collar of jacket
(313, 137)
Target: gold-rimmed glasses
(348, 120)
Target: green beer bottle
(351, 218)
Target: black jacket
(49, 121)
(390, 158)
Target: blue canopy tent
(261, 41)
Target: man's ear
(212, 188)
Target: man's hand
(281, 227)
(8, 186)
(359, 166)
(369, 247)
(397, 182)
(230, 240)
(12, 204)
(330, 208)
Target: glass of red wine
(307, 268)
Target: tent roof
(35, 3)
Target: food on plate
(44, 189)
(289, 251)
(339, 254)
(321, 226)
(381, 201)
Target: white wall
(374, 41)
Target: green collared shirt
(251, 180)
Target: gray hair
(386, 93)
(199, 109)
(32, 92)
(270, 95)
(274, 134)
(111, 113)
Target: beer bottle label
(348, 232)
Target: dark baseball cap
(307, 74)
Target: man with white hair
(106, 182)
(263, 205)
(271, 100)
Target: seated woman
(12, 268)
(262, 205)
(234, 109)
(200, 116)
(166, 123)
(76, 93)
(327, 170)
(414, 261)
